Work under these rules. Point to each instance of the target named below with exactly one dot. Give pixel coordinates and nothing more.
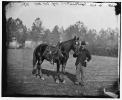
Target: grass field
(101, 72)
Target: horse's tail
(34, 58)
(34, 62)
(36, 54)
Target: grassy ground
(101, 72)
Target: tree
(90, 37)
(11, 27)
(9, 30)
(62, 34)
(37, 30)
(69, 33)
(102, 38)
(46, 36)
(55, 35)
(78, 29)
(21, 34)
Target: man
(83, 56)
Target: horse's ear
(78, 38)
(75, 38)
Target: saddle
(48, 50)
(58, 51)
(75, 55)
(53, 52)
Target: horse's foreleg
(58, 73)
(63, 73)
(40, 69)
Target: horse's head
(76, 44)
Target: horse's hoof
(34, 71)
(36, 75)
(64, 81)
(57, 81)
(42, 78)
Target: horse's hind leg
(58, 73)
(40, 69)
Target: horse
(65, 48)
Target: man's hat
(83, 43)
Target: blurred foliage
(104, 42)
(15, 28)
(55, 35)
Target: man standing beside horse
(83, 56)
(42, 52)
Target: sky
(64, 14)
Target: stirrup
(81, 83)
(77, 83)
(52, 63)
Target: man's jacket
(82, 56)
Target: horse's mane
(66, 41)
(65, 46)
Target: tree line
(104, 42)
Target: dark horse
(65, 48)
